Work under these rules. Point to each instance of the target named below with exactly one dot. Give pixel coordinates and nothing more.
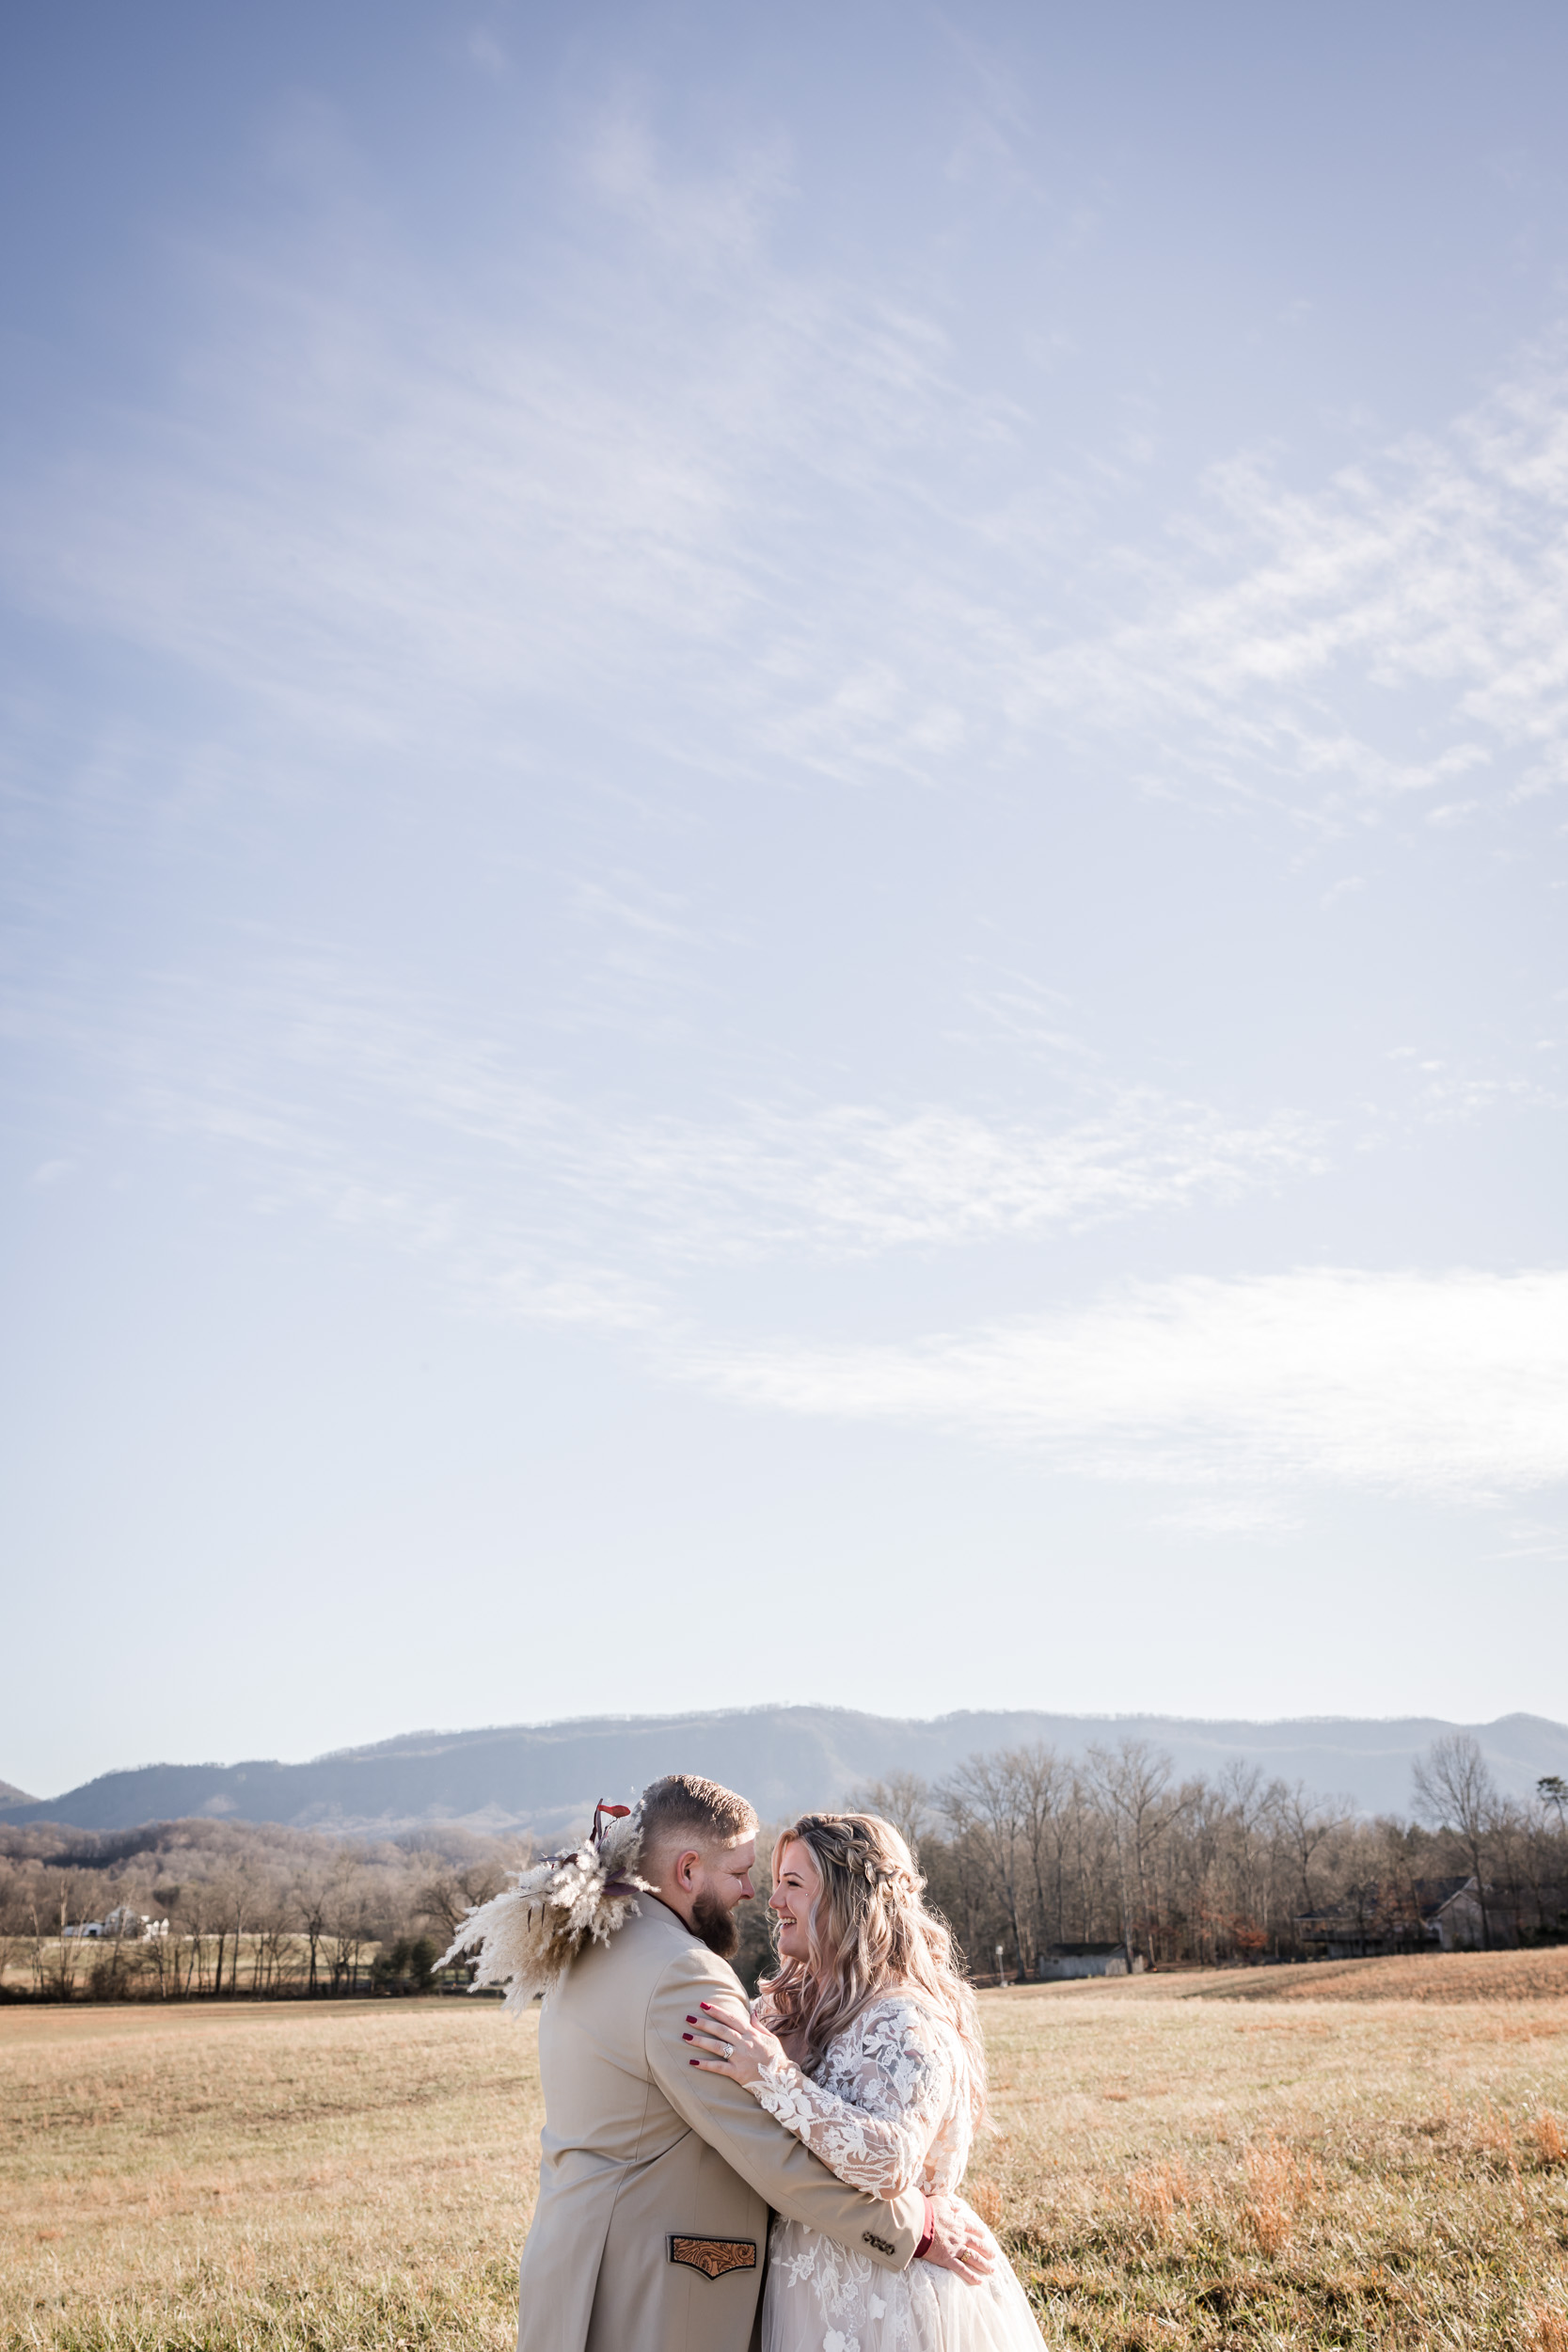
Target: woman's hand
(739, 2049)
(962, 2242)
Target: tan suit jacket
(642, 2151)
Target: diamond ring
(728, 2049)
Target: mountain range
(546, 1777)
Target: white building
(120, 1927)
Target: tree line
(1025, 1852)
(1036, 1852)
(251, 1909)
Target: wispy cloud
(1438, 565)
(363, 1102)
(388, 506)
(1440, 1385)
(787, 506)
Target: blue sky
(784, 864)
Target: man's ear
(686, 1867)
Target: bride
(866, 2046)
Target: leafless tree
(985, 1800)
(349, 1923)
(1133, 1781)
(904, 1799)
(1306, 1823)
(447, 1897)
(15, 1921)
(312, 1900)
(272, 1942)
(1454, 1790)
(228, 1906)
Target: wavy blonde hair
(870, 1935)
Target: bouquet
(528, 1936)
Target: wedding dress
(888, 2111)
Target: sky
(783, 841)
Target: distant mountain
(9, 1794)
(546, 1776)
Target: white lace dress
(887, 2111)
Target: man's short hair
(681, 1806)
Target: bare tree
(986, 1801)
(57, 1955)
(14, 1922)
(1454, 1790)
(312, 1902)
(1134, 1781)
(191, 1918)
(447, 1897)
(904, 1799)
(1306, 1823)
(273, 1941)
(349, 1922)
(229, 1898)
(1043, 1783)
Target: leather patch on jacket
(713, 2256)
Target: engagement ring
(728, 2049)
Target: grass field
(1374, 2153)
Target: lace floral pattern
(888, 2111)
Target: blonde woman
(865, 2043)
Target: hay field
(294, 2174)
(1304, 2157)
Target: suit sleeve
(751, 2142)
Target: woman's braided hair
(870, 1935)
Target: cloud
(393, 508)
(365, 1102)
(1441, 1385)
(781, 511)
(1438, 565)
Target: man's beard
(714, 1925)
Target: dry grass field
(1373, 2153)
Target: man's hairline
(674, 1843)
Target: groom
(656, 2179)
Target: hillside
(545, 1776)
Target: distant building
(1066, 1960)
(119, 1927)
(1427, 1916)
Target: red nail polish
(691, 2061)
(692, 2021)
(686, 2037)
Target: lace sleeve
(878, 2138)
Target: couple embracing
(720, 2176)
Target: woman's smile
(796, 1883)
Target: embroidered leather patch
(713, 2256)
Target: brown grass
(1355, 2172)
(1167, 2168)
(1443, 1977)
(292, 2175)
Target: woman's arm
(890, 2231)
(878, 2139)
